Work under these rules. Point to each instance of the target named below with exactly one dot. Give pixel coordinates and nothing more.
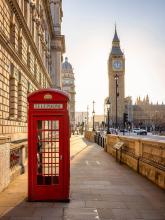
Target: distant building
(147, 114)
(98, 121)
(68, 85)
(81, 117)
(141, 114)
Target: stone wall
(147, 157)
(89, 135)
(13, 160)
(4, 163)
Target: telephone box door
(48, 172)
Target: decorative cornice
(23, 23)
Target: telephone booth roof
(57, 95)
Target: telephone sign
(48, 146)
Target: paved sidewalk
(101, 189)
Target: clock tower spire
(116, 74)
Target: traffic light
(125, 118)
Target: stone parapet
(4, 162)
(18, 158)
(89, 135)
(147, 157)
(13, 160)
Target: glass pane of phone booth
(48, 152)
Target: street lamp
(117, 94)
(93, 115)
(87, 122)
(108, 104)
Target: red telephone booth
(48, 146)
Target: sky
(88, 26)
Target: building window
(20, 43)
(12, 98)
(20, 97)
(5, 18)
(28, 88)
(28, 57)
(13, 92)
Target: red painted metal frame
(57, 192)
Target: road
(148, 136)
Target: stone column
(55, 7)
(34, 23)
(28, 57)
(56, 64)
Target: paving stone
(4, 210)
(52, 218)
(126, 214)
(105, 204)
(103, 191)
(46, 211)
(5, 218)
(80, 214)
(152, 214)
(71, 204)
(85, 196)
(25, 218)
(105, 213)
(36, 204)
(20, 212)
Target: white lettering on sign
(48, 106)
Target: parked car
(135, 130)
(123, 130)
(139, 131)
(142, 132)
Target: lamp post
(87, 118)
(117, 94)
(108, 111)
(93, 115)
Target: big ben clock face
(117, 65)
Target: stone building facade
(148, 115)
(31, 47)
(141, 114)
(68, 85)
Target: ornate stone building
(31, 47)
(116, 74)
(143, 113)
(68, 85)
(148, 115)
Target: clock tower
(116, 74)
